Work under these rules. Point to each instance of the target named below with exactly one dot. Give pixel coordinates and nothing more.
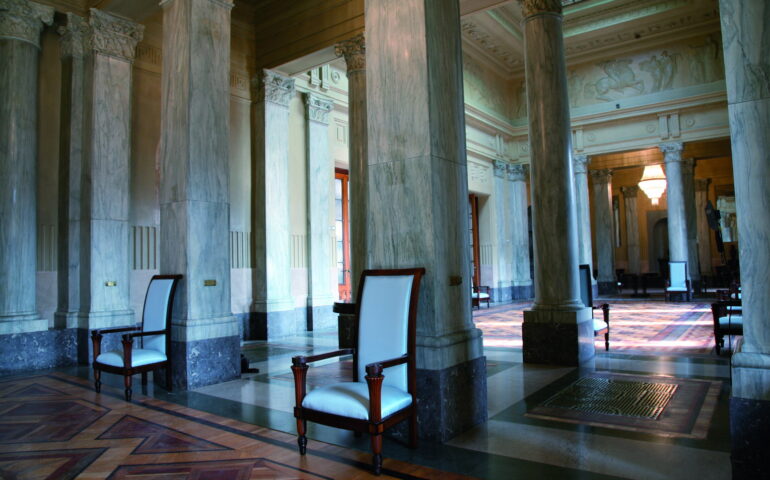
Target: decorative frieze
(500, 168)
(580, 163)
(518, 173)
(318, 107)
(354, 51)
(23, 20)
(114, 36)
(273, 87)
(533, 7)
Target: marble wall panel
(503, 241)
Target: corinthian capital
(114, 36)
(580, 163)
(23, 20)
(518, 173)
(273, 87)
(672, 151)
(75, 36)
(354, 51)
(630, 191)
(533, 7)
(601, 176)
(500, 168)
(318, 107)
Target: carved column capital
(23, 20)
(533, 7)
(500, 168)
(354, 51)
(601, 176)
(630, 192)
(580, 163)
(75, 36)
(318, 107)
(114, 36)
(518, 173)
(273, 87)
(702, 184)
(672, 151)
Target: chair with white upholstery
(677, 280)
(386, 324)
(479, 295)
(728, 320)
(154, 333)
(587, 296)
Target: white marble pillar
(276, 314)
(605, 236)
(354, 51)
(320, 194)
(21, 22)
(558, 328)
(418, 194)
(194, 189)
(704, 232)
(518, 225)
(503, 268)
(583, 206)
(677, 216)
(688, 185)
(746, 44)
(632, 229)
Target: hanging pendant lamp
(653, 182)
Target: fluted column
(746, 43)
(605, 236)
(688, 185)
(632, 229)
(519, 232)
(21, 22)
(677, 214)
(583, 206)
(558, 328)
(501, 290)
(320, 194)
(273, 303)
(354, 51)
(418, 194)
(194, 189)
(702, 224)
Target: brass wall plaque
(209, 283)
(455, 280)
(111, 283)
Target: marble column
(518, 225)
(320, 194)
(558, 328)
(503, 271)
(21, 22)
(98, 176)
(354, 51)
(702, 225)
(677, 216)
(688, 184)
(583, 206)
(418, 194)
(276, 315)
(632, 229)
(746, 45)
(194, 189)
(605, 236)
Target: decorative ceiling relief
(490, 45)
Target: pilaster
(583, 207)
(704, 232)
(688, 185)
(632, 229)
(504, 250)
(605, 236)
(518, 175)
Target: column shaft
(501, 290)
(194, 192)
(558, 329)
(704, 232)
(20, 25)
(688, 184)
(583, 206)
(605, 236)
(632, 229)
(519, 231)
(675, 194)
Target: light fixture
(653, 182)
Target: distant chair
(728, 320)
(479, 294)
(155, 335)
(678, 282)
(587, 296)
(386, 316)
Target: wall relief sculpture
(705, 61)
(662, 68)
(619, 76)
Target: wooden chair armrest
(299, 370)
(345, 308)
(376, 368)
(145, 334)
(114, 330)
(302, 359)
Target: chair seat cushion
(599, 325)
(139, 357)
(351, 399)
(734, 309)
(481, 296)
(731, 321)
(676, 289)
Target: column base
(37, 350)
(749, 450)
(204, 362)
(558, 337)
(678, 297)
(320, 317)
(608, 288)
(278, 324)
(23, 323)
(523, 292)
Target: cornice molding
(23, 20)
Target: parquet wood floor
(56, 426)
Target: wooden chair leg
(168, 377)
(301, 438)
(376, 441)
(720, 342)
(144, 378)
(413, 430)
(607, 342)
(98, 380)
(127, 383)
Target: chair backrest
(586, 292)
(157, 310)
(387, 311)
(677, 274)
